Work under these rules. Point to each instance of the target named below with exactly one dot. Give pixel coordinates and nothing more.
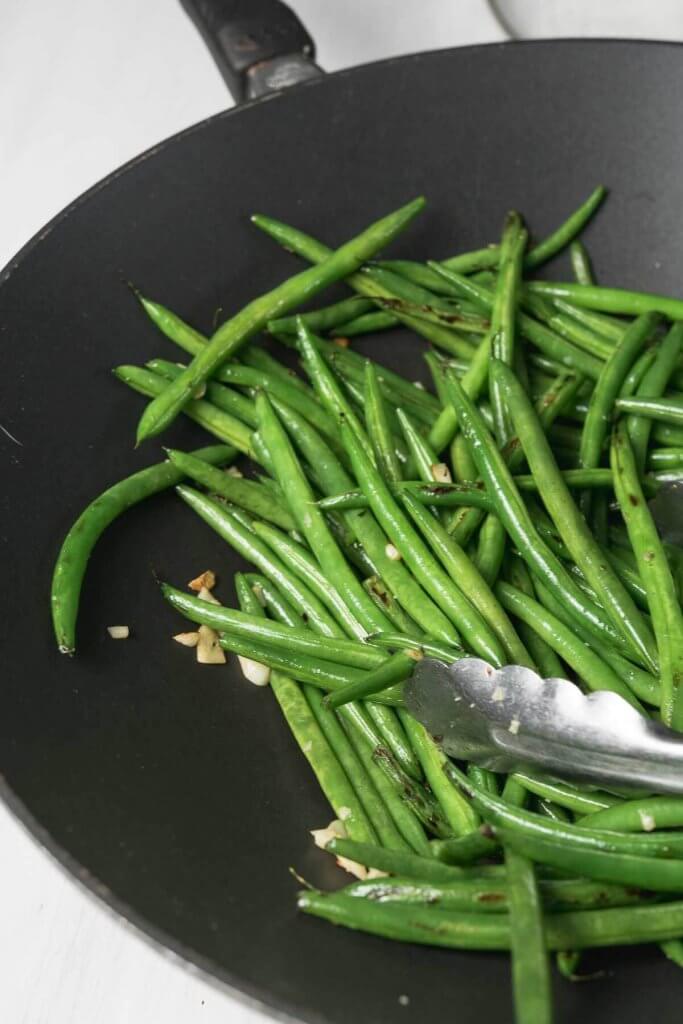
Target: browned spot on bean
(490, 897)
(633, 500)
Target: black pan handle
(258, 45)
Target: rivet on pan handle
(258, 45)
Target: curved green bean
(79, 542)
(235, 332)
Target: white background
(84, 86)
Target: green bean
(653, 385)
(361, 774)
(247, 544)
(303, 565)
(490, 548)
(422, 452)
(219, 423)
(449, 495)
(665, 434)
(478, 895)
(382, 597)
(572, 527)
(235, 332)
(326, 768)
(466, 849)
(431, 926)
(580, 801)
(470, 580)
(247, 376)
(311, 521)
(377, 426)
(322, 320)
(337, 649)
(368, 323)
(365, 283)
(567, 327)
(668, 410)
(429, 648)
(326, 675)
(416, 798)
(435, 311)
(607, 327)
(611, 300)
(641, 815)
(629, 577)
(388, 285)
(607, 389)
(259, 359)
(395, 669)
(435, 365)
(395, 389)
(593, 670)
(277, 606)
(530, 964)
(473, 382)
(419, 559)
(516, 519)
(247, 595)
(550, 343)
(408, 865)
(170, 324)
(511, 820)
(667, 618)
(665, 459)
(504, 313)
(367, 531)
(408, 832)
(326, 386)
(581, 264)
(673, 949)
(489, 895)
(462, 462)
(227, 399)
(455, 806)
(359, 778)
(542, 655)
(248, 494)
(653, 873)
(543, 251)
(389, 725)
(551, 810)
(645, 686)
(420, 273)
(72, 560)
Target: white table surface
(84, 86)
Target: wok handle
(258, 45)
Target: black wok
(175, 792)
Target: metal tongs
(510, 719)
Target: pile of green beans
(503, 514)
